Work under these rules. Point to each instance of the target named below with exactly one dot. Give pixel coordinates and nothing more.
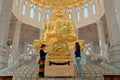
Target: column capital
(100, 22)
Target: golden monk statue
(59, 36)
(58, 24)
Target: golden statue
(58, 24)
(60, 37)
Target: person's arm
(45, 53)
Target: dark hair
(77, 45)
(43, 45)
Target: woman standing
(42, 60)
(78, 58)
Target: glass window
(39, 13)
(78, 16)
(85, 12)
(78, 13)
(70, 13)
(39, 16)
(32, 11)
(93, 9)
(70, 16)
(47, 14)
(93, 6)
(24, 10)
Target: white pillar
(101, 37)
(5, 16)
(112, 9)
(16, 41)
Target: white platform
(60, 71)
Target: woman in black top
(78, 58)
(42, 52)
(42, 60)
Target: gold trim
(58, 3)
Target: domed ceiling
(58, 3)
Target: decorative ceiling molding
(58, 3)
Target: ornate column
(101, 36)
(113, 24)
(5, 16)
(16, 41)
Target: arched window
(70, 13)
(32, 11)
(39, 16)
(39, 13)
(93, 7)
(85, 10)
(24, 8)
(78, 13)
(47, 14)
